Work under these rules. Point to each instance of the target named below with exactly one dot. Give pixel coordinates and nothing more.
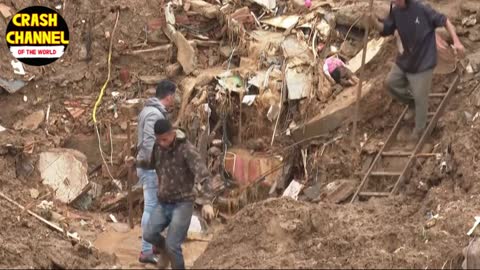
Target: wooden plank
(48, 223)
(437, 95)
(380, 173)
(374, 194)
(397, 154)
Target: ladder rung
(374, 194)
(385, 173)
(397, 154)
(437, 95)
(430, 114)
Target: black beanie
(162, 126)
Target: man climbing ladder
(410, 78)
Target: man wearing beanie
(155, 109)
(182, 174)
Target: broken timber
(50, 224)
(167, 47)
(411, 156)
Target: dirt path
(125, 244)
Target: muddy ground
(278, 233)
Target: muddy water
(125, 244)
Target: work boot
(148, 258)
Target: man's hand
(207, 212)
(458, 49)
(371, 19)
(129, 161)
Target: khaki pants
(412, 89)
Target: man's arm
(457, 44)
(386, 28)
(202, 176)
(148, 164)
(149, 134)
(438, 20)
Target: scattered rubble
(240, 67)
(31, 122)
(11, 86)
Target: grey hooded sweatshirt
(151, 113)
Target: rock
(151, 92)
(470, 20)
(124, 75)
(57, 217)
(214, 151)
(205, 9)
(123, 125)
(11, 86)
(186, 55)
(472, 255)
(65, 171)
(312, 192)
(217, 142)
(474, 35)
(469, 7)
(247, 63)
(243, 16)
(338, 191)
(151, 79)
(87, 144)
(131, 108)
(120, 227)
(34, 193)
(474, 60)
(173, 70)
(23, 165)
(84, 202)
(476, 99)
(226, 51)
(31, 122)
(5, 10)
(155, 24)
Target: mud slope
(282, 233)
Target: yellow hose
(102, 91)
(99, 100)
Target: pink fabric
(333, 63)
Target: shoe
(162, 257)
(148, 258)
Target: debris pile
(255, 100)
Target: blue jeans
(149, 182)
(175, 216)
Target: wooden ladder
(411, 155)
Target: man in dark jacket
(154, 110)
(411, 76)
(182, 175)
